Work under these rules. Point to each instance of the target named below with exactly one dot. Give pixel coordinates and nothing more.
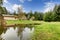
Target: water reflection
(17, 33)
(2, 30)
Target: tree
(14, 13)
(1, 2)
(25, 14)
(0, 13)
(3, 10)
(56, 13)
(48, 16)
(21, 15)
(38, 16)
(53, 15)
(30, 14)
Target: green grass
(9, 22)
(47, 31)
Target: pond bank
(21, 22)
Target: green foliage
(3, 10)
(56, 13)
(14, 13)
(48, 16)
(1, 2)
(38, 16)
(30, 14)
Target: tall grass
(47, 31)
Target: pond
(16, 33)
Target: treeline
(35, 16)
(48, 16)
(53, 15)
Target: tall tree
(30, 14)
(14, 13)
(48, 16)
(56, 13)
(21, 14)
(3, 10)
(1, 2)
(38, 15)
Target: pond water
(16, 33)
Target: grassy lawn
(47, 31)
(9, 22)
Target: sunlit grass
(47, 31)
(8, 22)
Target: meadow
(44, 31)
(47, 31)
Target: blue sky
(28, 5)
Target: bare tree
(21, 14)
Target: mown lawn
(47, 31)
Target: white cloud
(49, 6)
(12, 7)
(22, 1)
(5, 1)
(8, 6)
(15, 7)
